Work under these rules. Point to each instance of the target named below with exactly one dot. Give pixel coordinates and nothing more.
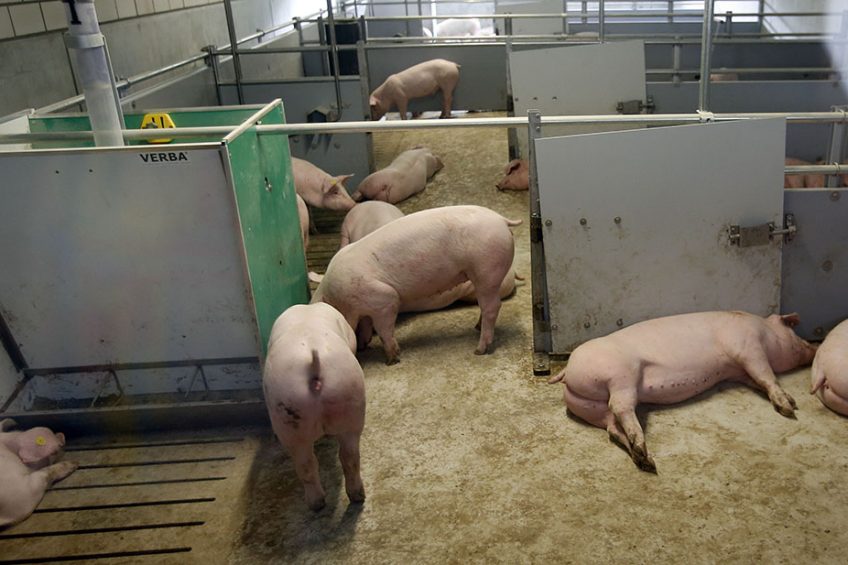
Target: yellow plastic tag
(40, 440)
(158, 121)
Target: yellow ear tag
(334, 182)
(39, 440)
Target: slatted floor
(141, 501)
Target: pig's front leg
(622, 403)
(349, 457)
(364, 333)
(306, 467)
(402, 104)
(759, 370)
(447, 101)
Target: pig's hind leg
(833, 400)
(383, 304)
(622, 404)
(35, 484)
(349, 457)
(306, 467)
(598, 414)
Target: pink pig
(668, 360)
(303, 217)
(28, 468)
(417, 256)
(367, 217)
(313, 387)
(423, 79)
(405, 176)
(829, 374)
(318, 188)
(516, 176)
(802, 181)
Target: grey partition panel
(337, 154)
(636, 224)
(194, 90)
(576, 80)
(815, 262)
(795, 53)
(531, 26)
(482, 78)
(174, 285)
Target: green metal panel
(267, 208)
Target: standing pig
(417, 256)
(28, 468)
(668, 360)
(367, 217)
(420, 80)
(313, 387)
(405, 176)
(303, 217)
(802, 181)
(829, 375)
(516, 176)
(318, 188)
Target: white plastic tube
(88, 52)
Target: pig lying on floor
(829, 374)
(28, 468)
(668, 360)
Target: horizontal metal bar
(106, 530)
(829, 169)
(156, 463)
(136, 366)
(65, 557)
(140, 483)
(748, 70)
(125, 505)
(589, 14)
(109, 446)
(369, 126)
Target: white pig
(417, 256)
(313, 387)
(318, 188)
(366, 217)
(829, 374)
(405, 176)
(420, 80)
(667, 360)
(28, 468)
(456, 27)
(516, 176)
(802, 181)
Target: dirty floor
(470, 459)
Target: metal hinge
(762, 234)
(635, 106)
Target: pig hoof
(787, 411)
(392, 360)
(317, 504)
(357, 497)
(645, 463)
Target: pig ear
(791, 320)
(61, 437)
(513, 166)
(29, 454)
(315, 277)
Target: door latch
(762, 234)
(635, 106)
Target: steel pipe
(706, 48)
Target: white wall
(34, 67)
(803, 24)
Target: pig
(829, 374)
(516, 176)
(28, 467)
(724, 77)
(456, 27)
(366, 217)
(303, 216)
(405, 176)
(802, 181)
(318, 188)
(417, 256)
(420, 80)
(314, 386)
(667, 360)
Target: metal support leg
(216, 72)
(365, 89)
(511, 133)
(836, 146)
(601, 21)
(676, 50)
(706, 47)
(541, 313)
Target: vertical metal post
(539, 285)
(299, 28)
(216, 72)
(508, 27)
(334, 52)
(706, 47)
(601, 21)
(728, 23)
(671, 11)
(406, 11)
(761, 19)
(584, 8)
(231, 30)
(365, 90)
(565, 17)
(355, 9)
(322, 40)
(836, 146)
(511, 133)
(676, 50)
(362, 29)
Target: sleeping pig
(28, 468)
(829, 374)
(405, 176)
(417, 256)
(516, 176)
(313, 387)
(318, 188)
(668, 360)
(423, 79)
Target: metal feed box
(134, 274)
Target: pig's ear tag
(332, 184)
(39, 440)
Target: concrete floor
(471, 459)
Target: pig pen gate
(727, 236)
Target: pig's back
(832, 357)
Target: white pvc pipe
(88, 52)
